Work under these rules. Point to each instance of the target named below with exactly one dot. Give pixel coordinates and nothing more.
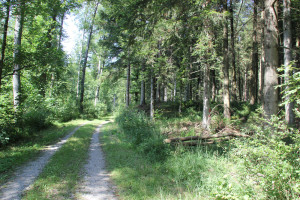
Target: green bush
(36, 119)
(272, 158)
(141, 132)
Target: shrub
(272, 158)
(141, 132)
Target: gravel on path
(96, 184)
(24, 177)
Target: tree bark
(128, 81)
(152, 93)
(85, 61)
(226, 92)
(234, 82)
(254, 67)
(143, 98)
(270, 103)
(287, 42)
(206, 98)
(16, 55)
(99, 73)
(4, 39)
(79, 67)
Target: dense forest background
(193, 53)
(169, 69)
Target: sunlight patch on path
(25, 176)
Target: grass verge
(186, 174)
(16, 155)
(58, 179)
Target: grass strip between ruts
(59, 177)
(14, 156)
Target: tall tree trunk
(246, 84)
(85, 61)
(99, 73)
(234, 82)
(226, 92)
(206, 98)
(4, 39)
(214, 85)
(79, 67)
(174, 88)
(128, 82)
(143, 98)
(58, 48)
(270, 103)
(17, 48)
(287, 40)
(152, 93)
(165, 93)
(262, 57)
(254, 67)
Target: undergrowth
(266, 166)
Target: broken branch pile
(196, 140)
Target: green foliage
(141, 132)
(271, 158)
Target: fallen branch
(182, 139)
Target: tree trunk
(206, 98)
(143, 98)
(99, 73)
(79, 67)
(254, 67)
(17, 48)
(270, 103)
(165, 93)
(234, 82)
(85, 62)
(287, 42)
(128, 82)
(152, 93)
(246, 84)
(4, 39)
(262, 57)
(226, 93)
(174, 89)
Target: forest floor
(89, 180)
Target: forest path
(96, 184)
(26, 175)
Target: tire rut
(25, 176)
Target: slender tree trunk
(143, 97)
(152, 93)
(206, 98)
(287, 40)
(61, 30)
(226, 92)
(270, 103)
(214, 85)
(157, 90)
(4, 39)
(262, 57)
(79, 67)
(99, 73)
(58, 48)
(165, 93)
(174, 89)
(17, 47)
(246, 84)
(234, 82)
(85, 62)
(254, 67)
(128, 82)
